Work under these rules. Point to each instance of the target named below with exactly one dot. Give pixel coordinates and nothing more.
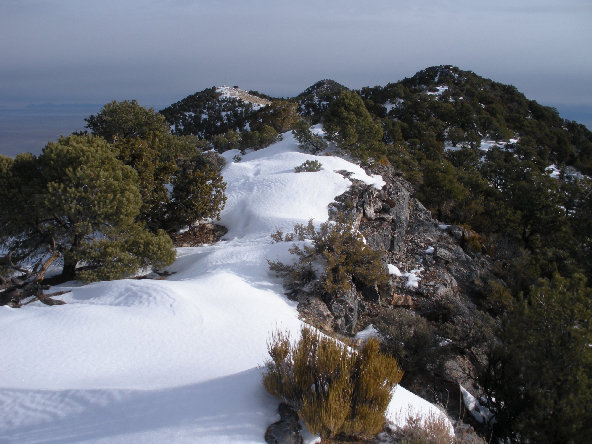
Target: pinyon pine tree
(78, 202)
(142, 140)
(350, 125)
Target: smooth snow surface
(176, 360)
(405, 405)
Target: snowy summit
(176, 360)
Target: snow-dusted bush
(332, 256)
(307, 140)
(336, 390)
(309, 166)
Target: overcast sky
(159, 51)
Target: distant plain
(30, 128)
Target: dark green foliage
(350, 125)
(82, 204)
(539, 381)
(473, 108)
(337, 391)
(258, 139)
(206, 114)
(142, 141)
(440, 189)
(309, 166)
(155, 164)
(19, 182)
(307, 141)
(410, 338)
(124, 253)
(198, 193)
(126, 120)
(280, 115)
(341, 253)
(313, 101)
(230, 140)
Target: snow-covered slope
(174, 360)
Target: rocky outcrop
(339, 313)
(287, 429)
(435, 272)
(394, 222)
(314, 311)
(345, 307)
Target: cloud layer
(160, 51)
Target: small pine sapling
(309, 166)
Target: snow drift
(174, 360)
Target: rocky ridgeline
(433, 278)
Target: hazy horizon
(29, 127)
(160, 51)
(157, 51)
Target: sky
(159, 51)
(88, 53)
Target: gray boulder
(287, 429)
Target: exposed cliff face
(430, 306)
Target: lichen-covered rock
(344, 308)
(314, 311)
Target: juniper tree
(126, 120)
(142, 140)
(539, 382)
(308, 141)
(77, 201)
(197, 192)
(350, 125)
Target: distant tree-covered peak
(323, 87)
(314, 100)
(213, 111)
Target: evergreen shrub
(309, 166)
(337, 391)
(307, 141)
(331, 256)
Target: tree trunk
(69, 270)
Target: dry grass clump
(431, 430)
(337, 391)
